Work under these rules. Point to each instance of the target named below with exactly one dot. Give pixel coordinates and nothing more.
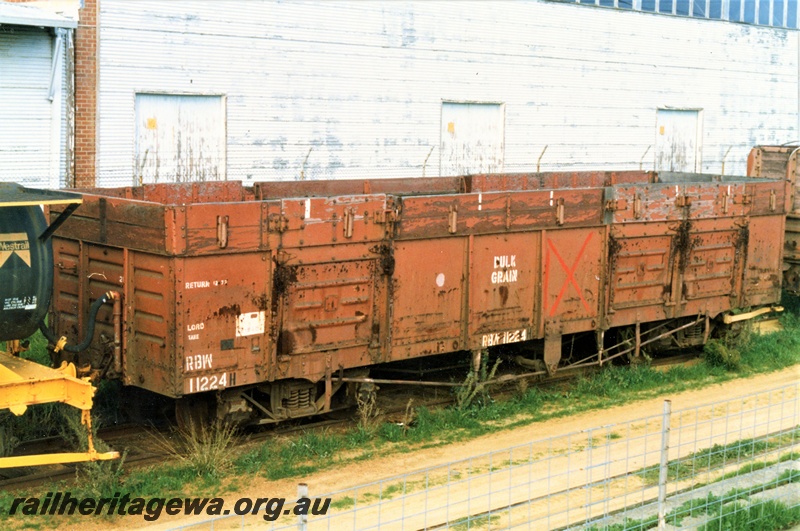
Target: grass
(767, 516)
(221, 469)
(474, 522)
(204, 450)
(609, 387)
(726, 511)
(718, 456)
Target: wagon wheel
(193, 412)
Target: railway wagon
(273, 301)
(781, 162)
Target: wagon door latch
(387, 216)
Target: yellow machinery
(26, 279)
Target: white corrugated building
(35, 103)
(271, 90)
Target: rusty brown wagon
(277, 299)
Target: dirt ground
(391, 465)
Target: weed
(8, 442)
(204, 449)
(693, 508)
(521, 386)
(313, 445)
(628, 524)
(360, 437)
(408, 416)
(101, 479)
(474, 386)
(788, 476)
(368, 410)
(165, 481)
(309, 452)
(392, 432)
(717, 354)
(252, 461)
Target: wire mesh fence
(715, 466)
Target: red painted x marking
(570, 274)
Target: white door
(179, 138)
(472, 138)
(678, 140)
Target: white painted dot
(440, 279)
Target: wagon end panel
(763, 269)
(791, 254)
(83, 273)
(149, 336)
(222, 319)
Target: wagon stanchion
(725, 156)
(539, 160)
(641, 160)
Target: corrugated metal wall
(355, 89)
(32, 128)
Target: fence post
(302, 519)
(663, 469)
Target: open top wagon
(273, 301)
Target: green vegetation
(766, 516)
(474, 390)
(475, 522)
(726, 511)
(204, 450)
(208, 464)
(718, 455)
(39, 420)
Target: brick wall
(86, 80)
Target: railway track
(141, 446)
